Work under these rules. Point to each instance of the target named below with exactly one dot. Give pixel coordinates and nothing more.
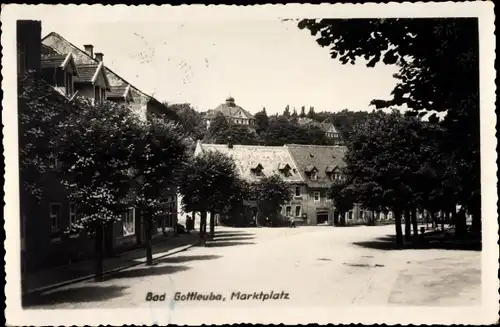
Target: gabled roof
(310, 168)
(88, 73)
(229, 111)
(319, 156)
(59, 61)
(45, 50)
(248, 157)
(60, 44)
(120, 92)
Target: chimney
(89, 49)
(98, 56)
(229, 142)
(29, 36)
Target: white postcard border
(485, 313)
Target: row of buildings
(310, 170)
(71, 71)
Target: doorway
(321, 218)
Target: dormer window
(257, 170)
(312, 171)
(284, 168)
(314, 175)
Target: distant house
(233, 113)
(329, 128)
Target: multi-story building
(68, 72)
(309, 170)
(232, 112)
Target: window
(361, 214)
(55, 214)
(314, 175)
(129, 222)
(73, 216)
(103, 95)
(69, 84)
(288, 211)
(97, 95)
(297, 191)
(298, 211)
(350, 215)
(317, 196)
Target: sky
(261, 63)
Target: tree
(41, 110)
(262, 121)
(286, 112)
(310, 113)
(95, 152)
(438, 70)
(294, 116)
(385, 160)
(343, 196)
(206, 183)
(271, 193)
(160, 150)
(302, 112)
(218, 125)
(189, 119)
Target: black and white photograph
(261, 164)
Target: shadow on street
(74, 295)
(389, 243)
(146, 271)
(218, 244)
(187, 258)
(235, 238)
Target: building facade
(67, 72)
(232, 112)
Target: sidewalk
(64, 275)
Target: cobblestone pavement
(310, 266)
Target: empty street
(304, 266)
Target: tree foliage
(271, 193)
(207, 181)
(438, 71)
(95, 149)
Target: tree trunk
(442, 220)
(149, 249)
(414, 221)
(212, 225)
(476, 222)
(460, 223)
(203, 223)
(174, 219)
(163, 225)
(98, 264)
(399, 230)
(407, 225)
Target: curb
(81, 279)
